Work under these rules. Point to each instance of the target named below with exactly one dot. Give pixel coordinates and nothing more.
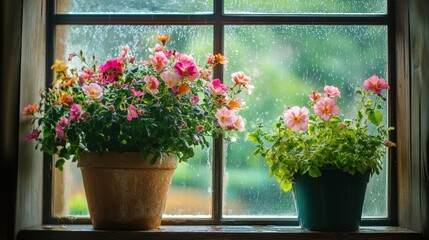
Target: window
(286, 46)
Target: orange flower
(163, 39)
(219, 58)
(68, 81)
(30, 109)
(183, 88)
(66, 99)
(234, 104)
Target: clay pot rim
(126, 160)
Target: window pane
(190, 193)
(304, 7)
(286, 63)
(134, 7)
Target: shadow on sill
(83, 232)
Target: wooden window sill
(83, 232)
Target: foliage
(166, 104)
(304, 143)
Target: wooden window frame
(411, 189)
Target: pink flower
(332, 91)
(151, 84)
(375, 84)
(239, 124)
(30, 109)
(186, 69)
(158, 47)
(60, 129)
(226, 117)
(71, 55)
(75, 112)
(60, 133)
(125, 50)
(123, 58)
(183, 57)
(211, 59)
(112, 69)
(194, 99)
(326, 107)
(240, 78)
(200, 128)
(93, 90)
(171, 78)
(132, 113)
(84, 77)
(132, 59)
(296, 118)
(314, 96)
(159, 61)
(216, 87)
(168, 53)
(33, 135)
(64, 122)
(136, 93)
(206, 74)
(249, 88)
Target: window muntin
(305, 7)
(287, 62)
(218, 24)
(134, 7)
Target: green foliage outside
(78, 206)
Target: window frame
(218, 19)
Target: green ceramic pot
(332, 202)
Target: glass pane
(286, 63)
(305, 7)
(134, 7)
(190, 193)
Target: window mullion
(218, 151)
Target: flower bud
(389, 143)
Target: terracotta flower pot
(125, 192)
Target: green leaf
(334, 119)
(368, 103)
(154, 158)
(60, 163)
(286, 185)
(375, 117)
(359, 115)
(253, 136)
(314, 172)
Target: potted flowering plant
(325, 159)
(114, 114)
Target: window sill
(83, 232)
